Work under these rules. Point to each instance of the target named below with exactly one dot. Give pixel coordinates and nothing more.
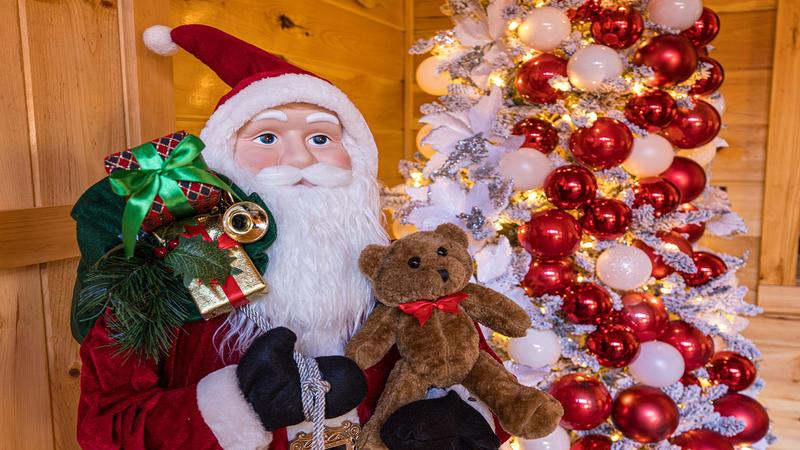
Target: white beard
(315, 286)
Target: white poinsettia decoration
(449, 202)
(485, 32)
(468, 137)
(499, 266)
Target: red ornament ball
(569, 187)
(592, 442)
(606, 218)
(586, 303)
(657, 192)
(695, 347)
(539, 134)
(160, 252)
(660, 268)
(643, 313)
(704, 30)
(749, 411)
(590, 10)
(605, 144)
(551, 234)
(652, 110)
(731, 369)
(614, 345)
(548, 277)
(693, 127)
(688, 379)
(711, 83)
(585, 400)
(693, 231)
(645, 414)
(702, 439)
(673, 59)
(709, 266)
(688, 176)
(533, 78)
(617, 28)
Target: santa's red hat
(259, 80)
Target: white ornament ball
(545, 28)
(591, 65)
(429, 80)
(650, 156)
(557, 440)
(678, 14)
(624, 267)
(527, 167)
(701, 155)
(537, 349)
(425, 149)
(657, 364)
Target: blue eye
(319, 139)
(266, 139)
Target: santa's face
(303, 163)
(297, 143)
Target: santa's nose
(444, 274)
(297, 155)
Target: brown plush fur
(445, 350)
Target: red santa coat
(190, 400)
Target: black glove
(270, 381)
(446, 423)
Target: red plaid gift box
(201, 196)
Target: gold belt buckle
(342, 437)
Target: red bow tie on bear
(423, 309)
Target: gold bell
(245, 222)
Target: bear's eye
(441, 251)
(414, 262)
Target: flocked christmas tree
(572, 139)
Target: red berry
(160, 252)
(173, 244)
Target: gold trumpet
(245, 222)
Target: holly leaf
(195, 258)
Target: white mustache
(319, 174)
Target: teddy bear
(428, 307)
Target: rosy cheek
(336, 156)
(253, 157)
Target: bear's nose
(444, 274)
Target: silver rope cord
(312, 387)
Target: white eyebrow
(272, 114)
(322, 117)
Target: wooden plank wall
(358, 45)
(63, 88)
(745, 48)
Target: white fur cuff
(225, 410)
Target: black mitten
(270, 381)
(446, 423)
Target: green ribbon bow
(160, 177)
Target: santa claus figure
(302, 146)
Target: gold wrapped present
(220, 296)
(342, 437)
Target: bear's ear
(370, 258)
(453, 232)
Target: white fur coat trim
(225, 410)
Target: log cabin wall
(358, 45)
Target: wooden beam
(781, 216)
(147, 84)
(36, 235)
(409, 141)
(779, 299)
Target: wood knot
(74, 372)
(286, 23)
